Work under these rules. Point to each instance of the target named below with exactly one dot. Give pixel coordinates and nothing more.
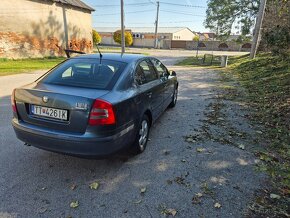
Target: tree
(196, 38)
(276, 32)
(128, 38)
(221, 15)
(96, 37)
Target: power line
(128, 23)
(175, 4)
(181, 12)
(132, 4)
(129, 12)
(134, 12)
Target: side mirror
(172, 73)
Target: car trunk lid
(36, 102)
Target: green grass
(201, 61)
(9, 67)
(266, 80)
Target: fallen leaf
(42, 210)
(241, 146)
(169, 182)
(73, 186)
(274, 196)
(217, 205)
(172, 212)
(94, 185)
(143, 190)
(200, 149)
(190, 140)
(195, 200)
(166, 152)
(137, 202)
(74, 204)
(199, 195)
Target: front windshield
(87, 73)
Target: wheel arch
(149, 115)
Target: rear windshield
(87, 73)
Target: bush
(128, 38)
(96, 37)
(278, 40)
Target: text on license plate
(49, 112)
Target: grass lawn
(211, 61)
(266, 81)
(201, 61)
(8, 66)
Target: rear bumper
(72, 144)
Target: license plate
(49, 112)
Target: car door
(167, 85)
(150, 87)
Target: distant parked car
(94, 106)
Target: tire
(174, 98)
(142, 135)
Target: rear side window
(87, 73)
(146, 69)
(161, 69)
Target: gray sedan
(94, 105)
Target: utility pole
(258, 28)
(156, 26)
(122, 27)
(65, 27)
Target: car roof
(128, 58)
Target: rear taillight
(13, 102)
(102, 113)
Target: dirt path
(182, 170)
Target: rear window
(87, 73)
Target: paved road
(36, 183)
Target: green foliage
(96, 38)
(222, 14)
(196, 38)
(278, 40)
(242, 39)
(276, 27)
(128, 38)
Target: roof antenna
(99, 53)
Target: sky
(142, 13)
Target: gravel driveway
(192, 180)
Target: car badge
(81, 106)
(45, 99)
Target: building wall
(184, 34)
(29, 28)
(218, 46)
(167, 43)
(147, 40)
(107, 38)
